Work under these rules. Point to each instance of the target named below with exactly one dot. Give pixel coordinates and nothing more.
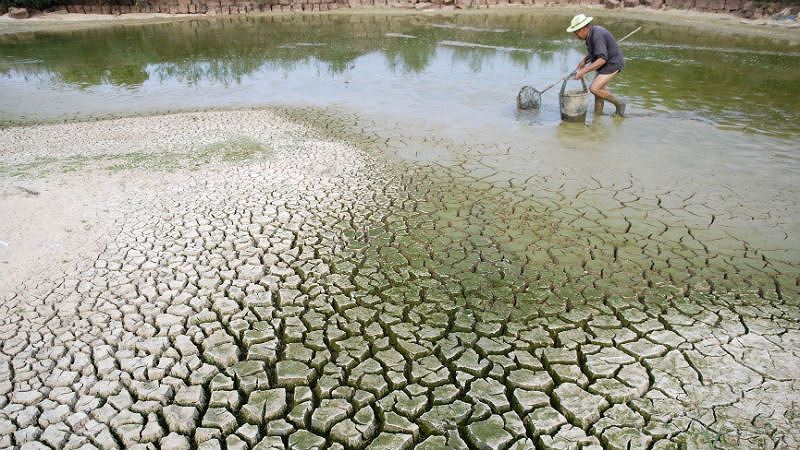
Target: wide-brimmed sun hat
(578, 22)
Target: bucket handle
(564, 84)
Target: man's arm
(598, 63)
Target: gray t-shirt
(601, 44)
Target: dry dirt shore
(788, 31)
(58, 209)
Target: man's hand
(584, 69)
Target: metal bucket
(574, 102)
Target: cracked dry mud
(326, 295)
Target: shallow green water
(409, 64)
(712, 117)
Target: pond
(409, 260)
(713, 115)
(403, 65)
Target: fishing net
(529, 98)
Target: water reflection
(734, 82)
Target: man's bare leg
(598, 88)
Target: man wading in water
(604, 56)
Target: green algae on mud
(230, 151)
(543, 249)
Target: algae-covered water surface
(392, 255)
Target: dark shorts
(609, 68)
